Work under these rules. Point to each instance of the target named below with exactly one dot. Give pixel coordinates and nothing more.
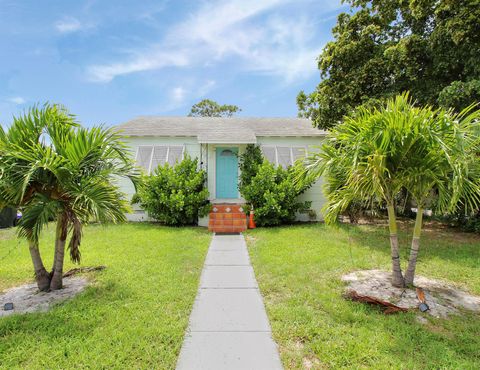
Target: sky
(110, 61)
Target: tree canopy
(384, 47)
(210, 108)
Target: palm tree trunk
(412, 261)
(42, 277)
(397, 277)
(61, 238)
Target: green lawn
(133, 316)
(299, 270)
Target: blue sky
(109, 61)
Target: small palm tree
(54, 169)
(374, 154)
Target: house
(217, 142)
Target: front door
(227, 173)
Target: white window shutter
(298, 153)
(144, 155)
(269, 153)
(284, 158)
(159, 157)
(175, 154)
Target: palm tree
(375, 153)
(54, 169)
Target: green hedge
(175, 195)
(271, 191)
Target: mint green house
(217, 142)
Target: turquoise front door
(227, 173)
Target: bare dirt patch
(27, 298)
(442, 298)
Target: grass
(299, 270)
(133, 316)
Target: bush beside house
(7, 217)
(175, 195)
(271, 191)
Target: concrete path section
(229, 328)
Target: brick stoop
(227, 218)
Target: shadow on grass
(446, 244)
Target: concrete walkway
(229, 328)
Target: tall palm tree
(54, 169)
(432, 154)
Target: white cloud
(178, 94)
(17, 100)
(187, 93)
(141, 62)
(260, 36)
(206, 88)
(68, 24)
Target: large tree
(430, 153)
(54, 169)
(384, 47)
(210, 108)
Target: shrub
(272, 192)
(175, 195)
(250, 160)
(469, 222)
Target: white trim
(151, 160)
(136, 154)
(168, 154)
(229, 142)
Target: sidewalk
(229, 328)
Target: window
(159, 156)
(269, 153)
(144, 156)
(283, 155)
(298, 153)
(175, 154)
(150, 157)
(227, 153)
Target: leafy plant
(175, 195)
(249, 162)
(432, 154)
(210, 108)
(383, 48)
(272, 192)
(53, 169)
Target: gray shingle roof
(219, 130)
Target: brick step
(227, 218)
(228, 208)
(223, 216)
